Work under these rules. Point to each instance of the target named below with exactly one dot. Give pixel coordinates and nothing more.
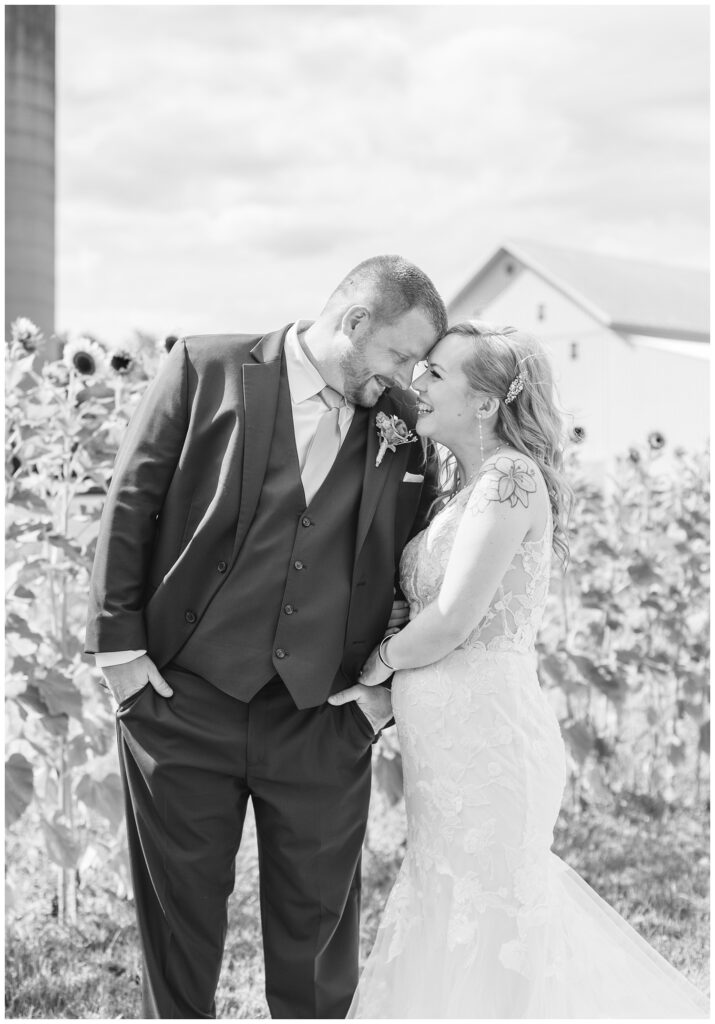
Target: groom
(244, 570)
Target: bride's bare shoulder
(511, 478)
(510, 462)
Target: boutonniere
(392, 431)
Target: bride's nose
(419, 384)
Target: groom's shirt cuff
(106, 658)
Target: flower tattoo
(509, 480)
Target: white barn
(629, 340)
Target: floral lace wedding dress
(484, 920)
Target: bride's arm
(499, 514)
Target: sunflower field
(623, 655)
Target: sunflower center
(120, 363)
(84, 363)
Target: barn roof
(629, 296)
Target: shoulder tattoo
(510, 479)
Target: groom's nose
(403, 377)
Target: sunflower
(655, 440)
(121, 361)
(57, 373)
(85, 357)
(25, 334)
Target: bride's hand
(374, 671)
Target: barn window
(574, 350)
(508, 268)
(541, 312)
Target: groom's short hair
(394, 286)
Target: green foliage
(62, 431)
(654, 871)
(19, 787)
(624, 644)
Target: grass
(654, 872)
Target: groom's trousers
(189, 765)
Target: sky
(221, 168)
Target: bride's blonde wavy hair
(531, 422)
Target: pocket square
(413, 478)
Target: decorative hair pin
(515, 388)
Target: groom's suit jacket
(187, 493)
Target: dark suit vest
(292, 577)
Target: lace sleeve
(496, 517)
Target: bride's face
(447, 406)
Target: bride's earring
(481, 437)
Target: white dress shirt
(305, 383)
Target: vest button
(306, 522)
(280, 653)
(298, 564)
(222, 567)
(190, 616)
(289, 609)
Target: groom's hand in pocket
(374, 702)
(124, 680)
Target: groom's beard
(360, 385)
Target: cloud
(221, 167)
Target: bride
(484, 921)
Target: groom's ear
(355, 321)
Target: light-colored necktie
(325, 444)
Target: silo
(30, 164)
